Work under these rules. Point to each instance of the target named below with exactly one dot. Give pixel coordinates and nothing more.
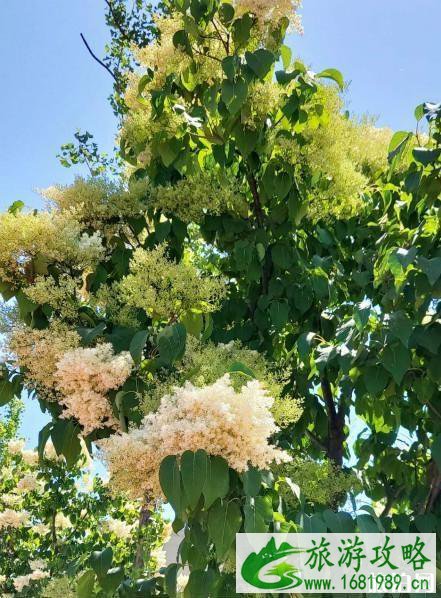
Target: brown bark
(144, 519)
(336, 424)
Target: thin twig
(97, 59)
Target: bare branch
(97, 59)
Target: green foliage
(68, 513)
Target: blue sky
(387, 49)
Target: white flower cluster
(16, 446)
(84, 376)
(120, 529)
(27, 483)
(22, 581)
(272, 12)
(215, 418)
(10, 518)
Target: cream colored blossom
(96, 202)
(16, 446)
(22, 581)
(41, 529)
(166, 289)
(37, 564)
(62, 294)
(262, 102)
(30, 457)
(84, 376)
(270, 13)
(31, 241)
(10, 500)
(215, 418)
(119, 528)
(62, 522)
(10, 518)
(190, 199)
(159, 557)
(27, 483)
(37, 352)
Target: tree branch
(117, 22)
(321, 445)
(256, 199)
(97, 59)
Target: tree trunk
(144, 519)
(336, 424)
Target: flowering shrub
(52, 517)
(215, 418)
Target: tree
(265, 254)
(53, 516)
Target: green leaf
(137, 345)
(260, 62)
(375, 379)
(85, 584)
(171, 343)
(246, 139)
(169, 151)
(65, 437)
(426, 156)
(397, 144)
(8, 388)
(396, 360)
(304, 343)
(333, 74)
(401, 326)
(229, 66)
(43, 437)
(428, 337)
(170, 578)
(16, 207)
(194, 468)
(101, 561)
(224, 521)
(199, 584)
(226, 14)
(338, 523)
(431, 268)
(182, 42)
(88, 335)
(419, 112)
(234, 94)
(121, 338)
(240, 368)
(276, 180)
(241, 30)
(254, 520)
(170, 480)
(193, 322)
(25, 305)
(279, 312)
(313, 524)
(367, 524)
(252, 480)
(217, 482)
(362, 312)
(282, 256)
(112, 579)
(286, 56)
